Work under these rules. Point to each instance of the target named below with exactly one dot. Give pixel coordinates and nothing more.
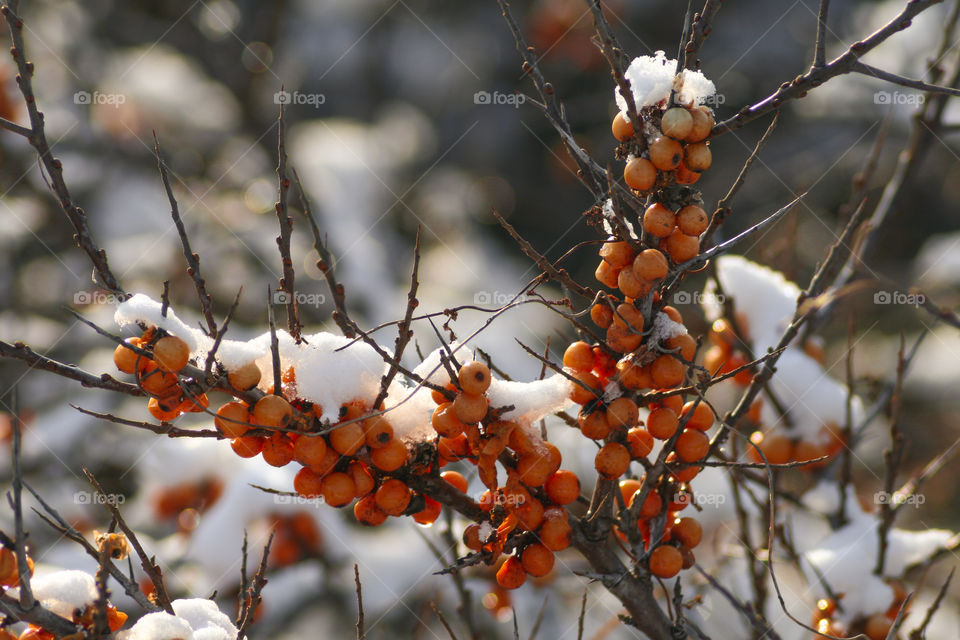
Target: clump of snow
(845, 559)
(651, 79)
(664, 328)
(531, 400)
(159, 626)
(764, 296)
(205, 618)
(65, 591)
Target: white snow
(205, 618)
(664, 328)
(64, 591)
(652, 77)
(159, 626)
(531, 400)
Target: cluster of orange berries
(295, 537)
(10, 577)
(874, 627)
(529, 506)
(184, 502)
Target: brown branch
(20, 351)
(820, 47)
(23, 568)
(361, 633)
(37, 615)
(193, 259)
(253, 598)
(892, 457)
(700, 28)
(162, 429)
(286, 229)
(404, 333)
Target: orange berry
(471, 537)
(389, 457)
(640, 174)
(665, 153)
(688, 531)
(676, 123)
(474, 377)
(453, 448)
(126, 359)
(631, 286)
(623, 412)
(682, 475)
(582, 395)
(272, 411)
(601, 314)
(651, 507)
(377, 431)
(430, 512)
(685, 343)
(579, 356)
(156, 409)
(156, 382)
(622, 339)
(776, 448)
(650, 264)
(692, 445)
(445, 421)
(363, 482)
(666, 372)
(674, 402)
(673, 314)
(555, 532)
(628, 315)
(277, 450)
(632, 375)
(662, 423)
(368, 513)
(878, 627)
(697, 156)
(640, 442)
(511, 575)
(562, 487)
(196, 404)
(307, 483)
(692, 220)
(618, 253)
(534, 469)
(346, 439)
(682, 247)
(701, 417)
(665, 561)
(658, 220)
(621, 127)
(247, 446)
(702, 124)
(171, 353)
(393, 497)
(439, 398)
(628, 487)
(309, 450)
(244, 378)
(606, 274)
(337, 489)
(594, 425)
(612, 460)
(470, 409)
(456, 480)
(537, 560)
(529, 512)
(685, 176)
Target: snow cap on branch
(652, 77)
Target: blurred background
(403, 114)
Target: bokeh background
(404, 114)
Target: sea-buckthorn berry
(393, 497)
(562, 487)
(171, 353)
(445, 421)
(621, 127)
(697, 156)
(474, 377)
(606, 274)
(651, 507)
(662, 423)
(676, 123)
(307, 483)
(594, 425)
(368, 513)
(377, 431)
(686, 345)
(346, 439)
(469, 408)
(628, 315)
(612, 460)
(665, 561)
(471, 537)
(430, 512)
(391, 456)
(650, 265)
(692, 220)
(277, 450)
(601, 314)
(537, 560)
(640, 442)
(327, 463)
(555, 533)
(456, 480)
(702, 124)
(665, 153)
(245, 377)
(511, 575)
(337, 489)
(579, 356)
(309, 450)
(688, 531)
(158, 411)
(623, 412)
(640, 174)
(631, 286)
(692, 445)
(701, 417)
(618, 253)
(685, 175)
(588, 389)
(272, 411)
(534, 469)
(632, 375)
(363, 482)
(682, 247)
(666, 372)
(126, 360)
(247, 446)
(658, 220)
(673, 314)
(629, 487)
